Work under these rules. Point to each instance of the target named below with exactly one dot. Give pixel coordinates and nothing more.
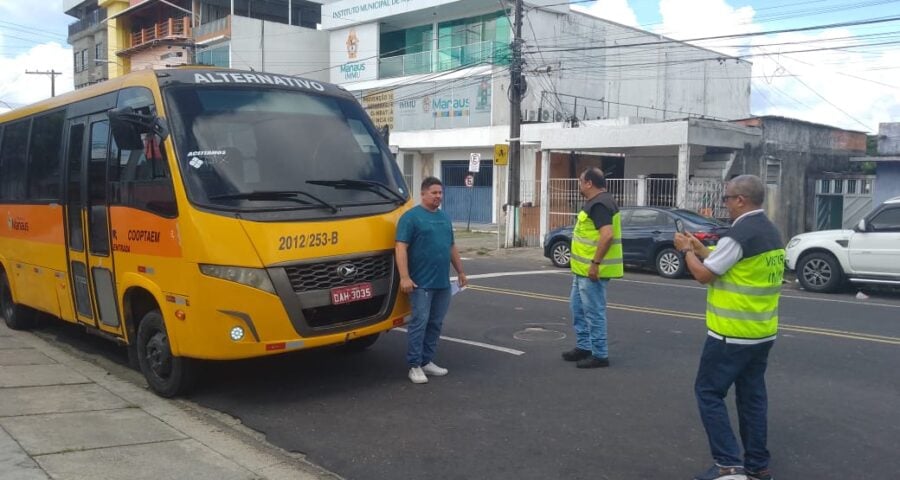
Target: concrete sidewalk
(64, 418)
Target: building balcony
(90, 20)
(213, 31)
(473, 54)
(172, 30)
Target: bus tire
(360, 344)
(167, 374)
(17, 317)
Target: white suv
(870, 253)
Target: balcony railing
(216, 28)
(90, 20)
(171, 29)
(447, 59)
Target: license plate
(351, 293)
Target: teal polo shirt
(429, 236)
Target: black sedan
(648, 235)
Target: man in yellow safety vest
(596, 257)
(744, 275)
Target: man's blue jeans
(429, 306)
(588, 303)
(721, 365)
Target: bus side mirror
(124, 130)
(127, 126)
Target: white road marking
(512, 274)
(797, 297)
(488, 346)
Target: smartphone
(679, 225)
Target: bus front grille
(327, 275)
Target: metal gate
(458, 199)
(841, 201)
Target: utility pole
(516, 85)
(53, 74)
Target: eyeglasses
(726, 197)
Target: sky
(854, 86)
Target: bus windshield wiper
(370, 185)
(276, 195)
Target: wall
(162, 56)
(887, 182)
(670, 80)
(804, 149)
(279, 48)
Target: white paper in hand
(454, 287)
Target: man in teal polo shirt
(424, 251)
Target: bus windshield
(274, 149)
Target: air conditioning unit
(531, 115)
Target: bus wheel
(166, 374)
(360, 344)
(17, 317)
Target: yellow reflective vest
(743, 302)
(584, 243)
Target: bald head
(750, 187)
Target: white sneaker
(434, 370)
(417, 375)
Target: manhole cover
(538, 334)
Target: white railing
(705, 198)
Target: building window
(773, 171)
(75, 62)
(84, 59)
(216, 57)
(99, 54)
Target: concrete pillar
(684, 169)
(545, 194)
(642, 190)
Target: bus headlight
(252, 277)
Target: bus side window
(12, 160)
(44, 157)
(140, 178)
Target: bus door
(87, 216)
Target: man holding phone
(744, 275)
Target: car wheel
(17, 317)
(669, 263)
(166, 374)
(819, 272)
(561, 253)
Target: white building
(437, 72)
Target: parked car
(870, 253)
(648, 235)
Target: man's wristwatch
(687, 250)
(595, 262)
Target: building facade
(88, 38)
(436, 73)
(114, 37)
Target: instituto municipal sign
(351, 12)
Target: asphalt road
(512, 409)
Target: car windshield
(246, 148)
(695, 217)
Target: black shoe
(763, 474)
(592, 362)
(576, 354)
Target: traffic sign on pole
(470, 180)
(474, 162)
(501, 154)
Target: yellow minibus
(201, 214)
